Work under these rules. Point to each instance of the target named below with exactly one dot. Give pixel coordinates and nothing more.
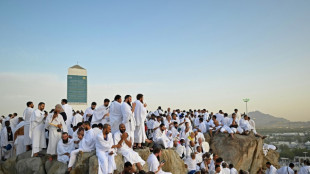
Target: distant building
(77, 87)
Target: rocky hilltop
(245, 152)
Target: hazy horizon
(179, 54)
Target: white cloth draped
(153, 164)
(68, 110)
(63, 148)
(26, 116)
(77, 118)
(98, 115)
(128, 118)
(53, 135)
(103, 148)
(128, 153)
(115, 116)
(160, 137)
(140, 116)
(36, 131)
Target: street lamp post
(246, 100)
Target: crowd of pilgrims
(119, 127)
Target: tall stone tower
(77, 87)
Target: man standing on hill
(140, 116)
(37, 133)
(26, 116)
(68, 110)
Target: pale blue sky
(189, 54)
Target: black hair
(64, 100)
(156, 150)
(127, 96)
(216, 166)
(41, 103)
(268, 163)
(127, 164)
(29, 103)
(219, 160)
(65, 133)
(105, 126)
(87, 123)
(106, 100)
(214, 116)
(139, 96)
(231, 166)
(117, 97)
(93, 103)
(94, 126)
(291, 165)
(100, 125)
(224, 165)
(79, 124)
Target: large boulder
(30, 166)
(9, 166)
(174, 163)
(273, 157)
(56, 167)
(244, 151)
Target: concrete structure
(77, 87)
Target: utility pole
(246, 100)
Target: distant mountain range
(268, 121)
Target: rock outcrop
(86, 163)
(245, 152)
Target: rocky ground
(245, 152)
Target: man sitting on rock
(123, 138)
(64, 147)
(191, 163)
(153, 163)
(161, 138)
(105, 150)
(87, 143)
(245, 125)
(215, 125)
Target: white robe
(153, 164)
(53, 135)
(271, 170)
(181, 150)
(87, 144)
(68, 110)
(36, 131)
(77, 118)
(106, 162)
(160, 137)
(128, 119)
(98, 115)
(285, 170)
(88, 111)
(304, 170)
(19, 141)
(128, 153)
(233, 171)
(140, 116)
(115, 116)
(64, 148)
(27, 115)
(4, 142)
